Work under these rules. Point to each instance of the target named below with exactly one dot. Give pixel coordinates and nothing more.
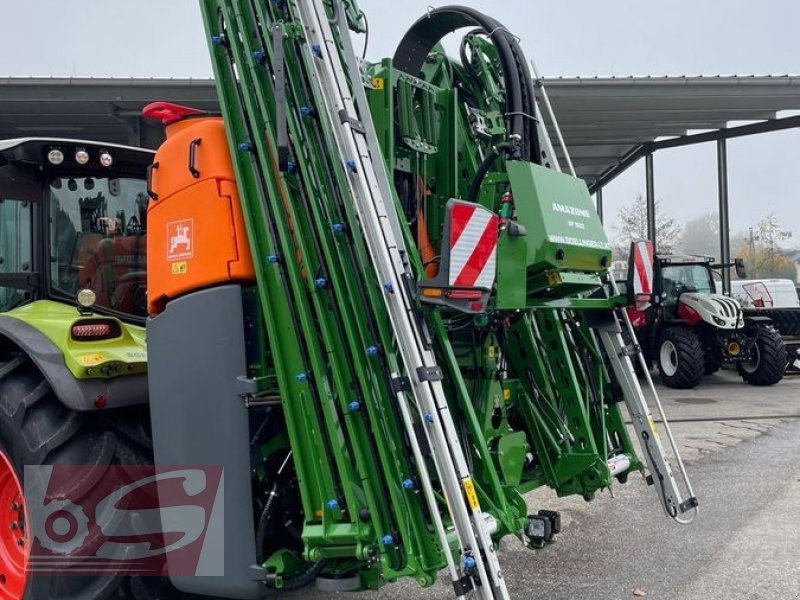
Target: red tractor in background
(688, 329)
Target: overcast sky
(164, 38)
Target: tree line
(758, 246)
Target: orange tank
(196, 234)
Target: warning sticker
(652, 425)
(179, 268)
(179, 239)
(90, 360)
(472, 497)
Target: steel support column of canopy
(651, 201)
(598, 196)
(724, 222)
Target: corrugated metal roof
(602, 118)
(605, 118)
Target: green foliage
(762, 254)
(632, 225)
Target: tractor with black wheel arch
(688, 330)
(73, 361)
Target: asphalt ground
(741, 446)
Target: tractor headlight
(81, 156)
(86, 298)
(106, 159)
(55, 156)
(719, 321)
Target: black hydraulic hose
(418, 42)
(300, 580)
(483, 169)
(532, 150)
(297, 581)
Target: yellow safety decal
(490, 351)
(652, 425)
(180, 268)
(506, 394)
(377, 83)
(90, 360)
(472, 497)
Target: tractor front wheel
(769, 359)
(681, 360)
(36, 429)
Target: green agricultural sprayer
(377, 303)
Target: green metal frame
(525, 379)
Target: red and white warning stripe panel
(642, 264)
(473, 246)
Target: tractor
(689, 330)
(73, 359)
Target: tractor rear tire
(771, 358)
(37, 429)
(681, 361)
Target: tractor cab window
(677, 279)
(98, 229)
(15, 250)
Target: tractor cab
(677, 275)
(73, 217)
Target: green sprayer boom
(428, 330)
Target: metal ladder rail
(406, 415)
(377, 246)
(380, 226)
(663, 478)
(479, 522)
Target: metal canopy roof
(605, 119)
(92, 108)
(602, 119)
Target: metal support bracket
(354, 123)
(630, 350)
(688, 504)
(430, 373)
(280, 98)
(401, 384)
(463, 586)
